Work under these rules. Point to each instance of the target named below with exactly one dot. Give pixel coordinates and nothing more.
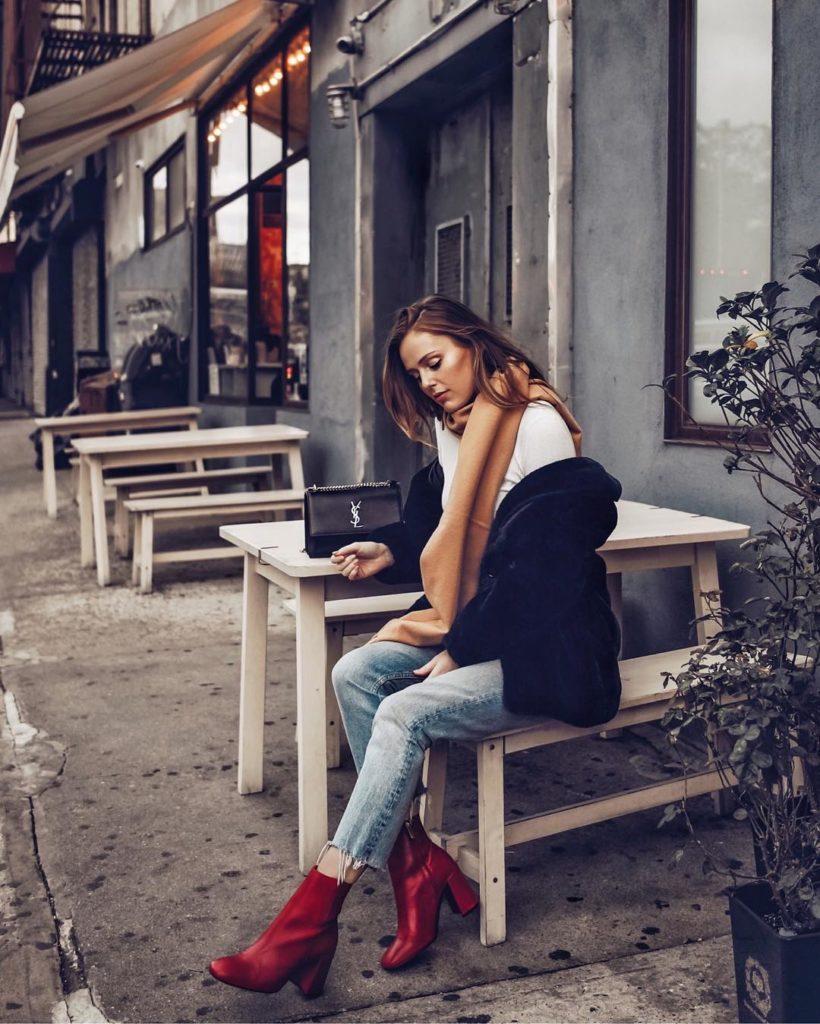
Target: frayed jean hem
(348, 862)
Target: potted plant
(753, 684)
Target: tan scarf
(451, 558)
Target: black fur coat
(542, 605)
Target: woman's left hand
(437, 665)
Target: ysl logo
(354, 512)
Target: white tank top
(543, 437)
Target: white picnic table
(98, 454)
(95, 424)
(646, 537)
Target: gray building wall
(620, 115)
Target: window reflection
(298, 70)
(731, 169)
(228, 267)
(159, 188)
(176, 198)
(227, 141)
(269, 337)
(266, 118)
(298, 257)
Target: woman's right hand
(362, 559)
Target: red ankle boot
(422, 874)
(297, 946)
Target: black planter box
(777, 976)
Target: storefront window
(256, 303)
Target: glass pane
(266, 121)
(159, 186)
(298, 258)
(268, 340)
(227, 353)
(298, 70)
(176, 180)
(731, 169)
(227, 142)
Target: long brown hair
(413, 410)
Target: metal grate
(66, 54)
(450, 260)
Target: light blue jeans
(391, 716)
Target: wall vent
(450, 259)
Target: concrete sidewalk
(128, 860)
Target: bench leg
(434, 779)
(491, 859)
(147, 554)
(122, 529)
(335, 636)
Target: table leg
(252, 678)
(705, 578)
(614, 584)
(49, 474)
(86, 525)
(334, 642)
(100, 525)
(311, 660)
(297, 476)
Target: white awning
(49, 130)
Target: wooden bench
(193, 508)
(147, 485)
(481, 852)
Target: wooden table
(103, 423)
(100, 453)
(646, 537)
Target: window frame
(252, 188)
(677, 426)
(163, 161)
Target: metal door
(467, 203)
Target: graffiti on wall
(139, 311)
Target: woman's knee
(344, 672)
(398, 718)
(355, 670)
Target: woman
(468, 658)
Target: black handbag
(343, 513)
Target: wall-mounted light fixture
(339, 99)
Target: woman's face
(442, 368)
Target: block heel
(312, 977)
(460, 894)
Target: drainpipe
(559, 231)
(359, 443)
